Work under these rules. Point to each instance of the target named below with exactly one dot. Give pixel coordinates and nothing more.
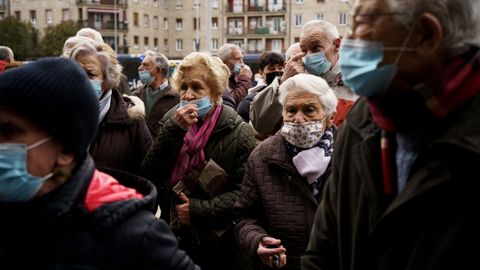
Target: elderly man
(156, 92)
(240, 74)
(404, 191)
(58, 211)
(319, 42)
(6, 57)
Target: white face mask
(303, 135)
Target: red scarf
(457, 83)
(191, 154)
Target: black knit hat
(55, 94)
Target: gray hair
(312, 84)
(314, 25)
(161, 61)
(6, 54)
(91, 34)
(77, 41)
(225, 51)
(459, 18)
(291, 50)
(111, 73)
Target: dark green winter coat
(229, 146)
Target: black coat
(57, 232)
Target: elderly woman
(122, 139)
(285, 175)
(198, 130)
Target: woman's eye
(183, 87)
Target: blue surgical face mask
(203, 105)
(359, 61)
(237, 67)
(316, 63)
(97, 86)
(16, 183)
(145, 77)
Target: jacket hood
(135, 107)
(118, 196)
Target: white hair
(6, 54)
(312, 84)
(225, 51)
(72, 42)
(91, 34)
(459, 18)
(293, 49)
(314, 25)
(161, 61)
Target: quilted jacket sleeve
(248, 211)
(160, 160)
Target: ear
(331, 118)
(65, 158)
(428, 34)
(336, 44)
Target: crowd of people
(351, 152)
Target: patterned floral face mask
(303, 135)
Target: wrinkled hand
(245, 70)
(187, 115)
(182, 210)
(266, 253)
(293, 66)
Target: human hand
(293, 66)
(245, 70)
(187, 115)
(271, 253)
(182, 210)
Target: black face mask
(269, 77)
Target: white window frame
(343, 18)
(179, 45)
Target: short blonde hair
(312, 84)
(215, 76)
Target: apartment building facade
(178, 27)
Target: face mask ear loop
(404, 45)
(42, 141)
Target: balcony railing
(121, 26)
(120, 3)
(3, 7)
(264, 8)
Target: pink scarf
(191, 155)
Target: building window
(214, 4)
(214, 44)
(179, 5)
(18, 15)
(178, 24)
(196, 46)
(320, 1)
(135, 1)
(165, 23)
(165, 4)
(298, 20)
(146, 21)
(214, 22)
(49, 16)
(65, 14)
(178, 45)
(135, 42)
(196, 3)
(155, 44)
(144, 1)
(296, 39)
(342, 18)
(135, 19)
(33, 16)
(195, 23)
(165, 44)
(299, 1)
(145, 43)
(277, 45)
(155, 3)
(155, 22)
(320, 16)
